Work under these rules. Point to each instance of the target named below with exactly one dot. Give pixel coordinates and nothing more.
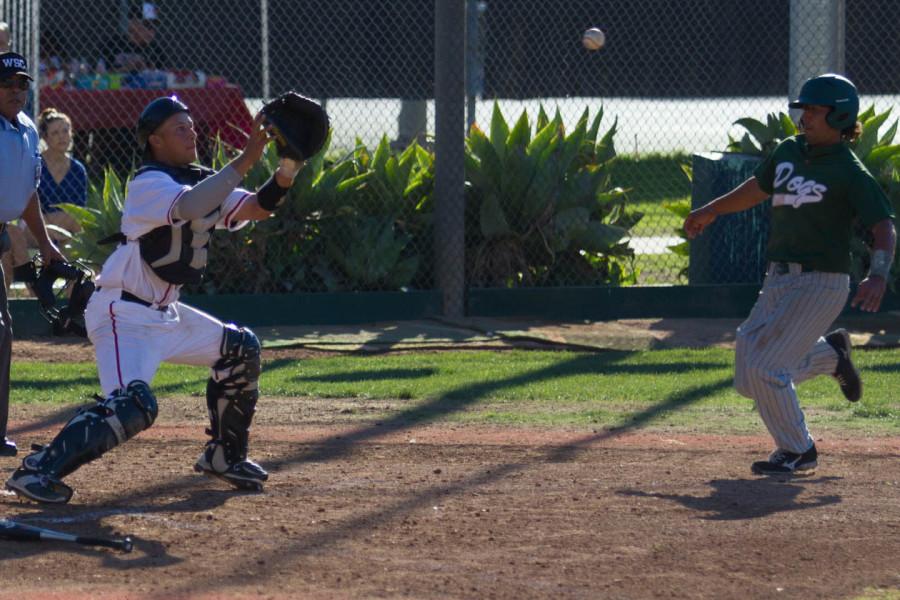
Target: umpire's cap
(835, 91)
(12, 64)
(155, 114)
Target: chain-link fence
(670, 83)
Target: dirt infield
(368, 509)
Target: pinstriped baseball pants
(781, 344)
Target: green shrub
(541, 211)
(540, 207)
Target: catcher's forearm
(271, 194)
(207, 195)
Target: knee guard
(96, 430)
(231, 395)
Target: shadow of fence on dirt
(448, 403)
(55, 419)
(147, 553)
(740, 499)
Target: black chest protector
(177, 253)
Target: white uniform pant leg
(131, 340)
(127, 344)
(198, 340)
(821, 360)
(774, 343)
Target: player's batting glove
(300, 125)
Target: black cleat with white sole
(38, 487)
(782, 462)
(244, 474)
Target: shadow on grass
(740, 499)
(372, 375)
(602, 363)
(891, 368)
(43, 385)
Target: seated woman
(63, 179)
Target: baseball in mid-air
(593, 39)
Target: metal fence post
(264, 43)
(23, 16)
(474, 58)
(817, 40)
(449, 178)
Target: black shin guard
(231, 395)
(96, 430)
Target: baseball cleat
(8, 447)
(244, 475)
(846, 374)
(38, 487)
(782, 462)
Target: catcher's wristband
(271, 195)
(881, 264)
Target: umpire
(20, 174)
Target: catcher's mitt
(62, 306)
(300, 125)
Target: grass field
(689, 390)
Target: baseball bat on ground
(11, 530)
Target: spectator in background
(137, 49)
(4, 36)
(63, 178)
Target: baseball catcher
(134, 317)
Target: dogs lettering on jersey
(802, 191)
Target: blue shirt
(20, 166)
(72, 188)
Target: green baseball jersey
(817, 192)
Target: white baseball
(593, 39)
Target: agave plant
(761, 138)
(349, 223)
(100, 217)
(376, 223)
(541, 210)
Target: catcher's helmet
(835, 91)
(155, 114)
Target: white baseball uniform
(131, 340)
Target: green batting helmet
(835, 91)
(155, 114)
